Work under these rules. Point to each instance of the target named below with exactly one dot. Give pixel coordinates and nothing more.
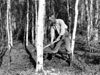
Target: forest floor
(20, 64)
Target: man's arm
(58, 38)
(52, 34)
(63, 28)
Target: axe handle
(50, 44)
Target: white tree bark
(9, 24)
(75, 27)
(9, 31)
(11, 35)
(32, 25)
(96, 22)
(88, 19)
(27, 23)
(91, 17)
(82, 12)
(36, 19)
(40, 36)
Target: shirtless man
(59, 26)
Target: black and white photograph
(49, 37)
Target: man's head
(52, 18)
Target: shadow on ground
(22, 63)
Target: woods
(55, 32)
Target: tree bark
(9, 24)
(96, 21)
(69, 18)
(40, 36)
(91, 17)
(9, 32)
(88, 20)
(82, 12)
(75, 27)
(11, 35)
(32, 25)
(36, 15)
(27, 23)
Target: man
(59, 27)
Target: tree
(91, 19)
(82, 12)
(33, 25)
(96, 22)
(40, 36)
(36, 18)
(69, 17)
(9, 31)
(27, 27)
(75, 27)
(88, 20)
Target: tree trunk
(1, 27)
(82, 12)
(11, 35)
(32, 25)
(75, 27)
(9, 32)
(91, 17)
(40, 36)
(96, 22)
(69, 18)
(9, 24)
(27, 23)
(88, 20)
(36, 19)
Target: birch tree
(9, 31)
(27, 23)
(40, 36)
(91, 18)
(32, 25)
(82, 12)
(75, 27)
(69, 18)
(36, 18)
(88, 20)
(96, 22)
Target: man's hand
(52, 42)
(57, 39)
